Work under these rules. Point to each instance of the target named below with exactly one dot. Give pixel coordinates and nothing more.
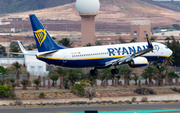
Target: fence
(13, 76)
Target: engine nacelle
(138, 62)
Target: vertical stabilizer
(44, 41)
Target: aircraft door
(64, 58)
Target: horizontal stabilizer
(31, 54)
(46, 53)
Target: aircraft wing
(130, 57)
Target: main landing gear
(114, 71)
(94, 72)
(157, 64)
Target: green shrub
(144, 99)
(128, 102)
(42, 95)
(12, 80)
(133, 99)
(2, 82)
(24, 82)
(167, 101)
(64, 92)
(85, 88)
(4, 91)
(144, 91)
(174, 89)
(78, 89)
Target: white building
(33, 65)
(8, 61)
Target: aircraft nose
(170, 52)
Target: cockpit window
(166, 47)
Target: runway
(107, 109)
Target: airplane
(100, 57)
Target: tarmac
(138, 108)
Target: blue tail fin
(149, 42)
(43, 40)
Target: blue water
(137, 111)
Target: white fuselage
(95, 56)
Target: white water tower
(87, 9)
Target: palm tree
(24, 82)
(129, 79)
(17, 67)
(103, 74)
(2, 82)
(62, 73)
(118, 78)
(54, 78)
(73, 77)
(145, 76)
(126, 72)
(121, 40)
(135, 78)
(169, 61)
(90, 77)
(150, 71)
(174, 45)
(14, 49)
(160, 75)
(171, 75)
(3, 51)
(112, 76)
(13, 84)
(65, 42)
(98, 43)
(133, 40)
(152, 39)
(37, 82)
(167, 39)
(2, 70)
(53, 38)
(89, 44)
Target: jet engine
(138, 62)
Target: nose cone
(170, 52)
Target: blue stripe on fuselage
(91, 62)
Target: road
(99, 108)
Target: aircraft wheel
(114, 71)
(94, 72)
(158, 66)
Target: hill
(115, 11)
(12, 6)
(113, 15)
(172, 5)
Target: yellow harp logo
(40, 35)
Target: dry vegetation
(54, 94)
(113, 11)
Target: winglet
(21, 47)
(149, 42)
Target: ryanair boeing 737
(98, 57)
